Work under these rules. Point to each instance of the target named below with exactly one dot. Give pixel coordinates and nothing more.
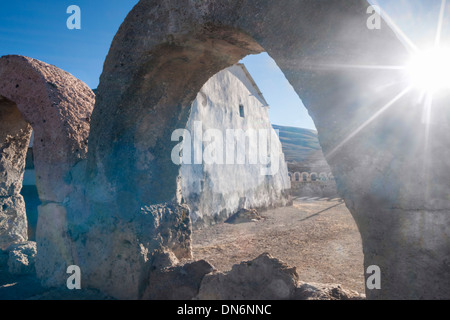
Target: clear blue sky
(38, 29)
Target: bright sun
(430, 70)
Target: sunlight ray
(366, 123)
(355, 66)
(440, 23)
(426, 117)
(403, 37)
(390, 84)
(426, 155)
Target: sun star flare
(430, 70)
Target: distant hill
(298, 144)
(301, 149)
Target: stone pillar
(15, 134)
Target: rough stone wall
(215, 191)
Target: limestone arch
(314, 176)
(57, 107)
(166, 50)
(297, 177)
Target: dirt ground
(317, 236)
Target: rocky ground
(318, 237)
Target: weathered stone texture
(177, 283)
(264, 278)
(15, 134)
(58, 107)
(318, 291)
(54, 245)
(22, 258)
(116, 255)
(13, 221)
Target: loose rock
(244, 216)
(177, 283)
(318, 291)
(264, 278)
(22, 258)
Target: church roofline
(253, 83)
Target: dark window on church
(241, 111)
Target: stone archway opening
(161, 85)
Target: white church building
(232, 100)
